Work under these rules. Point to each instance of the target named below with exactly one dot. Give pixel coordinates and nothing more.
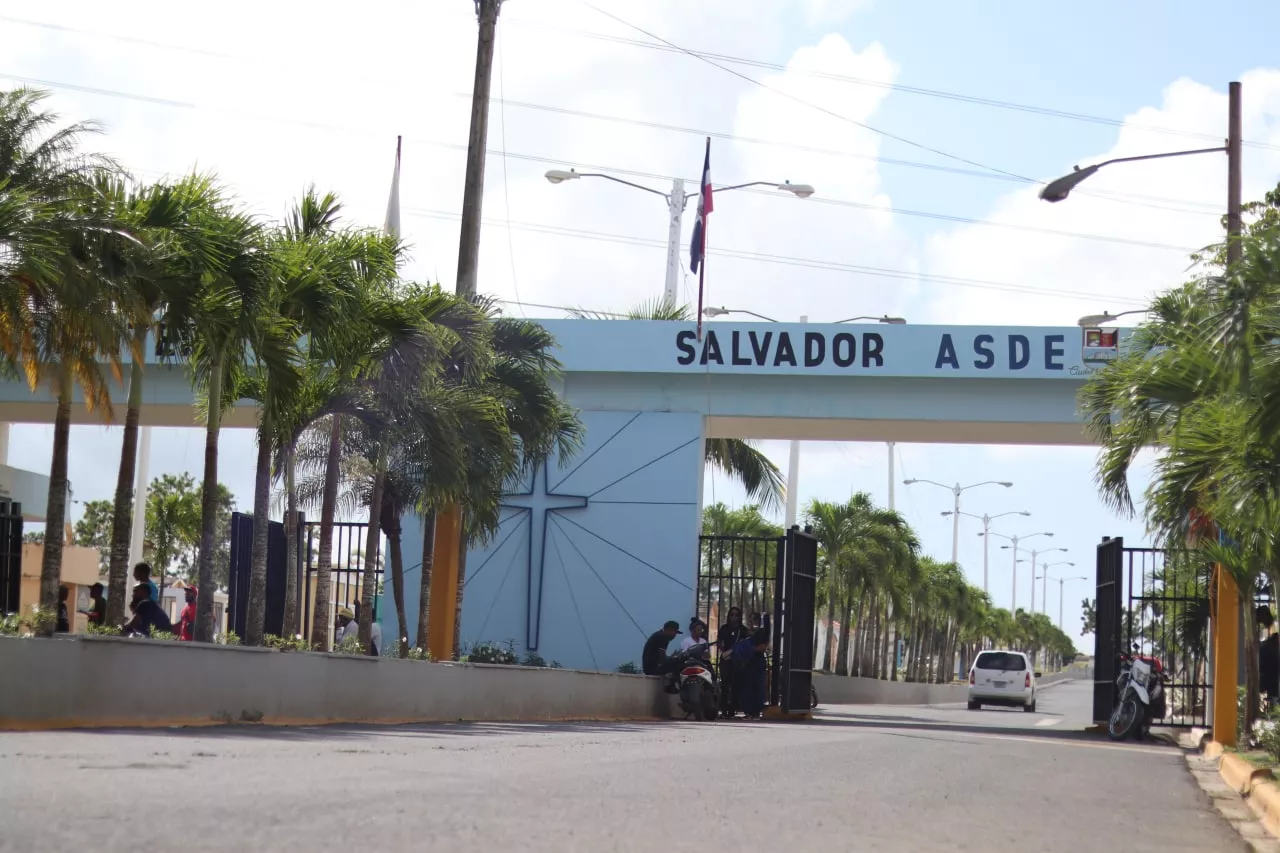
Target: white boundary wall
(842, 690)
(107, 681)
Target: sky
(922, 124)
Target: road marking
(1049, 722)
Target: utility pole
(891, 502)
(473, 189)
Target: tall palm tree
(157, 265)
(230, 331)
(58, 308)
(737, 458)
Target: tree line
(882, 592)
(397, 394)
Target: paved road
(892, 780)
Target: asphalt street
(873, 778)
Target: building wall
(586, 583)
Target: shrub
(533, 659)
(629, 668)
(421, 654)
(349, 646)
(230, 638)
(286, 644)
(494, 653)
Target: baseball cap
(672, 625)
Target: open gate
(775, 575)
(1153, 602)
(10, 555)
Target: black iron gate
(794, 607)
(1154, 603)
(773, 575)
(277, 574)
(10, 555)
(346, 578)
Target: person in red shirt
(185, 627)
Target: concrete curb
(1242, 794)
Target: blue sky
(404, 67)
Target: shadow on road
(341, 731)
(899, 724)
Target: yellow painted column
(444, 584)
(1226, 657)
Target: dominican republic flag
(392, 225)
(698, 248)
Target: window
(1006, 661)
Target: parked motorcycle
(697, 684)
(1140, 698)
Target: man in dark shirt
(654, 659)
(1268, 656)
(730, 633)
(147, 615)
(64, 618)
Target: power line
(602, 168)
(1127, 198)
(886, 134)
(808, 263)
(721, 57)
(880, 84)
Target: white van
(1001, 677)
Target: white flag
(392, 225)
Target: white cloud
(1118, 276)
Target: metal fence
(737, 571)
(10, 555)
(347, 576)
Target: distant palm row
(414, 398)
(874, 583)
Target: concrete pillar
(4, 444)
(1226, 653)
(444, 584)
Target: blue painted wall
(594, 553)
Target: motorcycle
(696, 682)
(1140, 698)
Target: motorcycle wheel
(691, 701)
(710, 703)
(1125, 719)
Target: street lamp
(1061, 582)
(955, 522)
(1013, 604)
(986, 542)
(1034, 554)
(1058, 190)
(1044, 583)
(892, 321)
(676, 201)
(1098, 319)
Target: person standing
(731, 632)
(97, 612)
(750, 654)
(63, 625)
(185, 627)
(142, 575)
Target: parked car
(1000, 677)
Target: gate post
(443, 615)
(1106, 627)
(1226, 645)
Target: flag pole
(702, 265)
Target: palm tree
(156, 266)
(1202, 379)
(229, 330)
(58, 307)
(735, 457)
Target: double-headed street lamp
(986, 542)
(1044, 583)
(1061, 582)
(1014, 540)
(956, 490)
(793, 455)
(1034, 555)
(677, 199)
